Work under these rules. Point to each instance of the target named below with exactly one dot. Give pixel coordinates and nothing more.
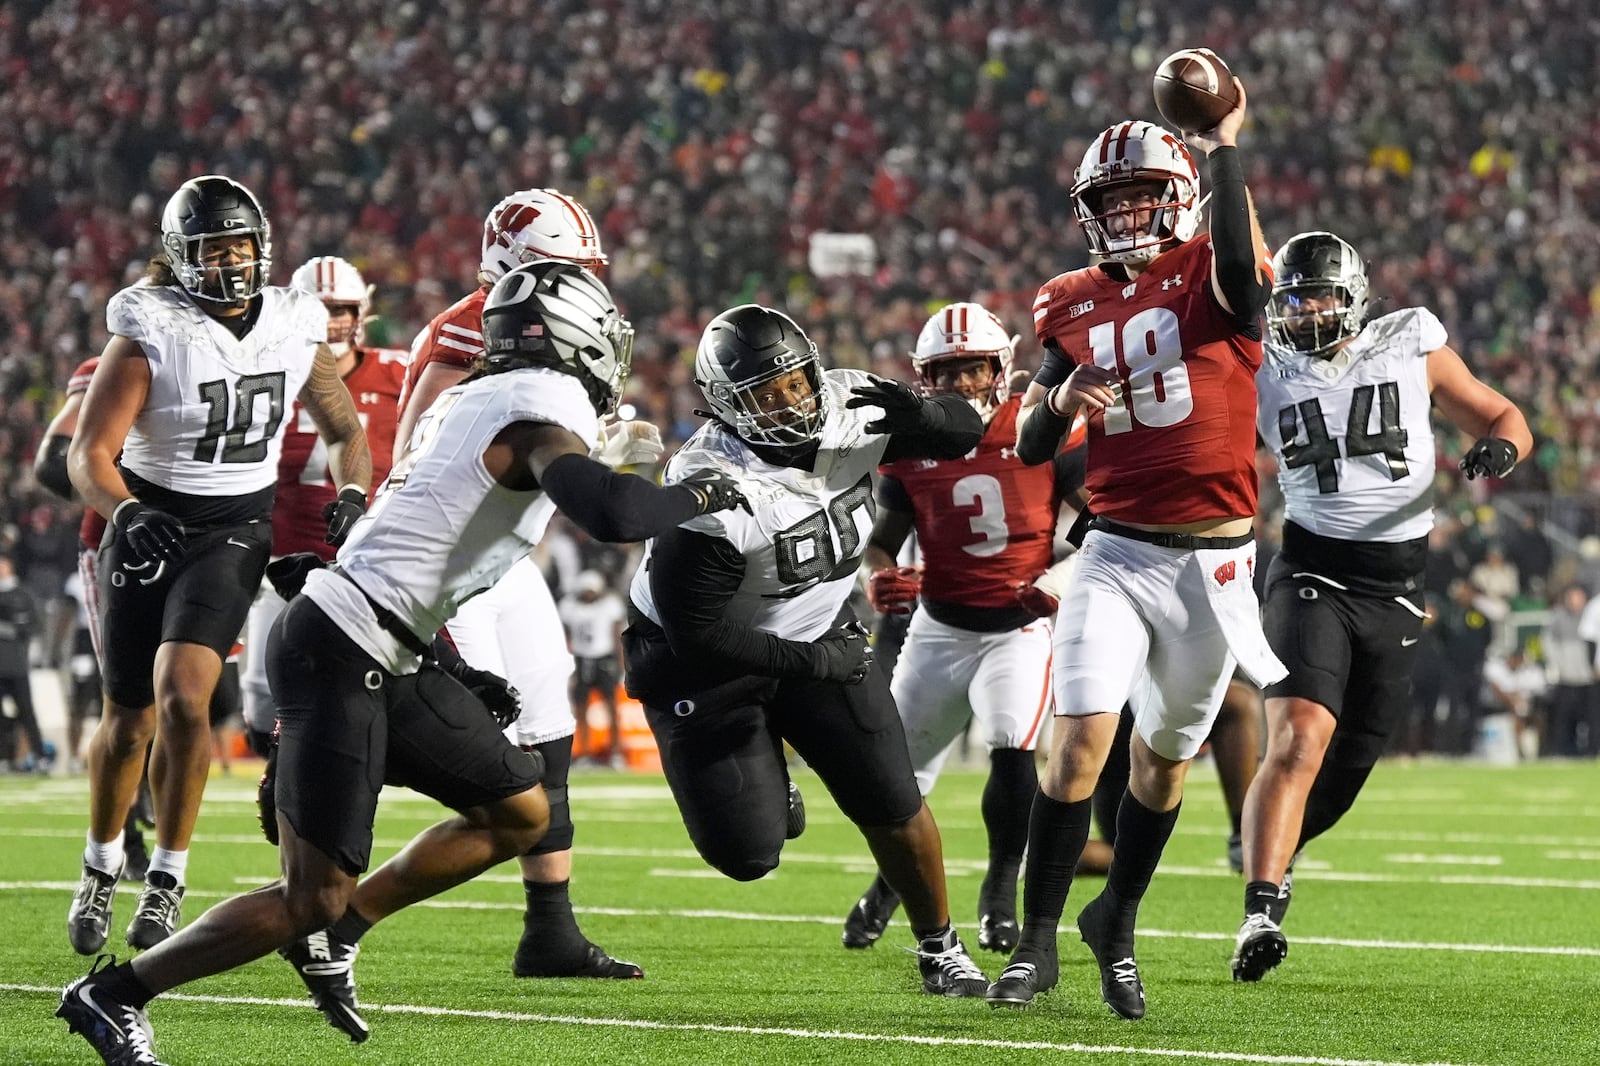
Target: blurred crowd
(1455, 144)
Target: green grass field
(1453, 918)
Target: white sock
(171, 863)
(107, 858)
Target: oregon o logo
(683, 708)
(373, 680)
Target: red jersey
(93, 527)
(1181, 445)
(305, 485)
(984, 521)
(454, 338)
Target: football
(1194, 89)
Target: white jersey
(443, 530)
(591, 625)
(213, 422)
(804, 541)
(1352, 434)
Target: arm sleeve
(892, 494)
(1041, 434)
(957, 430)
(611, 506)
(1056, 367)
(1071, 469)
(692, 578)
(1238, 274)
(50, 465)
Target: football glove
(627, 443)
(903, 410)
(1041, 597)
(715, 491)
(288, 574)
(342, 514)
(155, 536)
(498, 696)
(1490, 457)
(843, 654)
(894, 589)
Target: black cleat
(1120, 986)
(89, 917)
(797, 813)
(1028, 974)
(949, 971)
(120, 1034)
(870, 916)
(1260, 946)
(594, 963)
(157, 915)
(327, 966)
(998, 932)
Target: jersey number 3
(1322, 451)
(231, 418)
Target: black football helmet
(555, 314)
(213, 208)
(1316, 266)
(745, 347)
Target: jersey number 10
(233, 428)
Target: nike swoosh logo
(1406, 642)
(238, 543)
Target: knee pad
(557, 762)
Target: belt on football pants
(387, 619)
(1185, 541)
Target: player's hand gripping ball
(1194, 89)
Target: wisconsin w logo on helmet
(557, 315)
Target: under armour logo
(1172, 283)
(1007, 453)
(369, 397)
(1225, 573)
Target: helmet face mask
(218, 238)
(557, 315)
(762, 377)
(1319, 294)
(960, 333)
(539, 224)
(342, 290)
(1125, 154)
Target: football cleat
(949, 971)
(998, 932)
(797, 813)
(156, 917)
(326, 965)
(1260, 946)
(870, 916)
(594, 963)
(89, 917)
(136, 861)
(119, 1033)
(1027, 975)
(1120, 986)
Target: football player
(513, 630)
(1345, 404)
(177, 446)
(307, 495)
(740, 637)
(985, 524)
(1158, 343)
(492, 460)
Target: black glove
(498, 696)
(843, 654)
(288, 574)
(266, 792)
(343, 513)
(155, 536)
(1490, 457)
(903, 410)
(715, 491)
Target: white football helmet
(964, 331)
(1128, 152)
(338, 284)
(538, 224)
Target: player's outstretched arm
(608, 505)
(50, 464)
(1502, 432)
(931, 427)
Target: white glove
(628, 443)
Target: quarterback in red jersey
(985, 524)
(1158, 343)
(306, 494)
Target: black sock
(124, 986)
(1142, 835)
(350, 927)
(883, 890)
(1259, 898)
(549, 915)
(1057, 832)
(1007, 801)
(939, 940)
